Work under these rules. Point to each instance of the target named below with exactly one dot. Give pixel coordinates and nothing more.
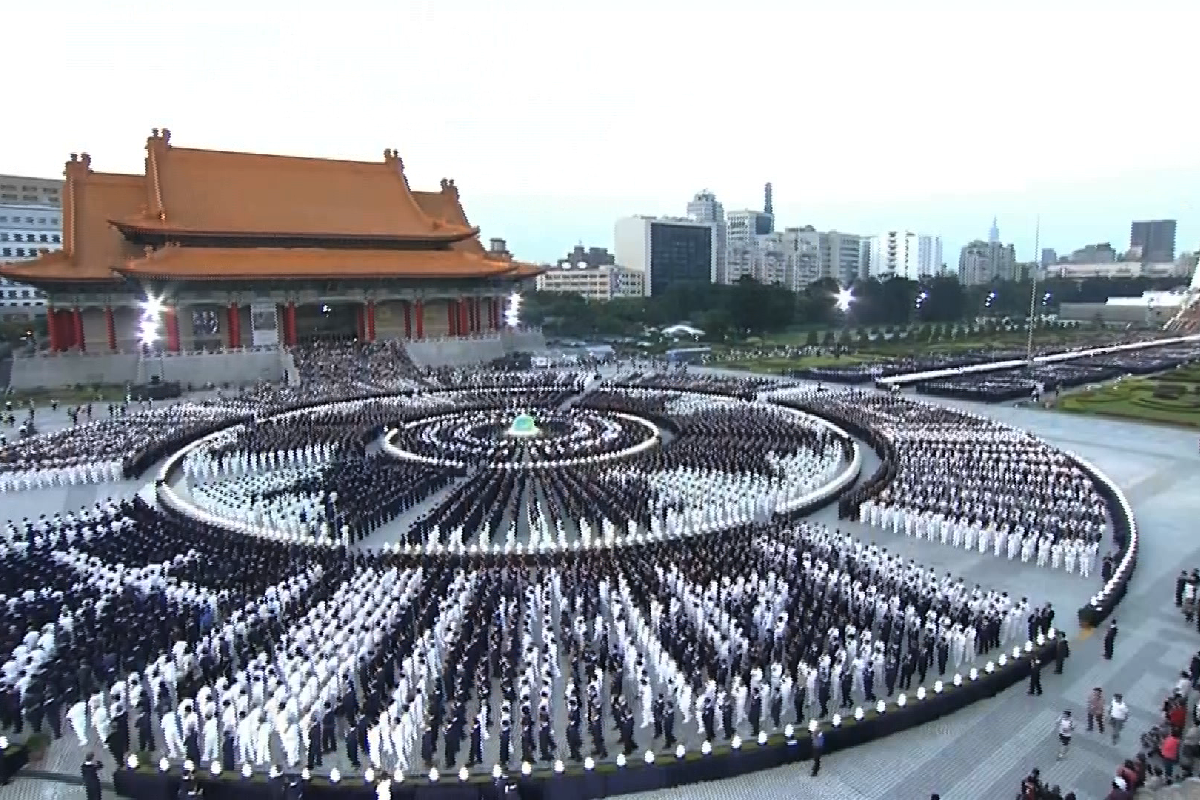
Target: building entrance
(326, 322)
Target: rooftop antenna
(1035, 265)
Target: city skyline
(548, 156)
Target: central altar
(523, 426)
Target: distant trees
(749, 308)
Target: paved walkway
(983, 751)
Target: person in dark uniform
(818, 747)
(1110, 638)
(669, 723)
(1035, 674)
(353, 735)
(1062, 649)
(90, 771)
(475, 754)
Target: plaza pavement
(983, 751)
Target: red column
(110, 327)
(235, 327)
(477, 310)
(77, 320)
(52, 328)
(407, 319)
(419, 319)
(360, 322)
(370, 320)
(464, 325)
(289, 323)
(171, 320)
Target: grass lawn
(67, 397)
(1172, 398)
(777, 366)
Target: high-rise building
(902, 254)
(1049, 256)
(1153, 240)
(982, 262)
(16, 189)
(994, 233)
(667, 250)
(582, 256)
(842, 257)
(748, 222)
(705, 207)
(1102, 253)
(26, 232)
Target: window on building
(29, 220)
(24, 293)
(41, 220)
(30, 198)
(20, 252)
(44, 238)
(3, 237)
(8, 251)
(56, 238)
(17, 237)
(53, 220)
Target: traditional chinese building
(243, 250)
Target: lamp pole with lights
(149, 331)
(919, 303)
(843, 300)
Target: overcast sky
(554, 118)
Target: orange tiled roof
(92, 248)
(241, 193)
(205, 263)
(219, 192)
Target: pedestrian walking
(1066, 729)
(1110, 638)
(1095, 709)
(1118, 712)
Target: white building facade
(600, 283)
(26, 231)
(903, 254)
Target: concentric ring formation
(597, 585)
(730, 462)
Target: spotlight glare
(152, 306)
(844, 299)
(512, 312)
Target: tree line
(749, 308)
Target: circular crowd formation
(514, 571)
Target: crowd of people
(534, 613)
(968, 482)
